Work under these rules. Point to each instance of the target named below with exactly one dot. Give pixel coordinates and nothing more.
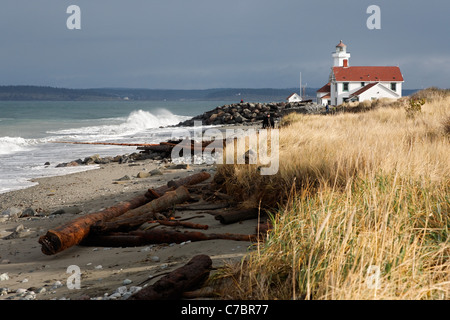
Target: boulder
(12, 213)
(28, 212)
(143, 174)
(156, 172)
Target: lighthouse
(341, 56)
(347, 83)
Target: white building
(294, 98)
(358, 83)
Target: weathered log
(134, 218)
(158, 236)
(190, 180)
(173, 184)
(74, 232)
(203, 206)
(236, 216)
(157, 148)
(177, 223)
(110, 143)
(171, 287)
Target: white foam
(137, 121)
(10, 145)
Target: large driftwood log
(177, 223)
(158, 236)
(237, 215)
(171, 287)
(134, 218)
(173, 184)
(74, 232)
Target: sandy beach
(27, 273)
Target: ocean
(29, 128)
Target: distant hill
(29, 93)
(34, 93)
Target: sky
(201, 44)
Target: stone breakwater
(248, 113)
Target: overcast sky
(199, 44)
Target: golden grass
(353, 192)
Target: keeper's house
(358, 83)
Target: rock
(4, 277)
(156, 172)
(126, 282)
(21, 291)
(17, 233)
(57, 284)
(213, 117)
(47, 163)
(143, 174)
(71, 210)
(92, 159)
(121, 290)
(12, 213)
(155, 259)
(28, 212)
(124, 178)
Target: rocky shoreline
(251, 113)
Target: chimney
(345, 63)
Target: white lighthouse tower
(341, 56)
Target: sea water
(28, 131)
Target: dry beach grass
(356, 193)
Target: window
(363, 84)
(345, 86)
(393, 86)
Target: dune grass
(358, 197)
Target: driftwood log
(72, 233)
(134, 218)
(173, 184)
(237, 215)
(158, 236)
(177, 223)
(172, 286)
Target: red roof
(364, 74)
(326, 88)
(327, 96)
(341, 44)
(364, 89)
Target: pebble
(99, 267)
(126, 282)
(155, 259)
(21, 291)
(4, 277)
(121, 290)
(41, 290)
(57, 284)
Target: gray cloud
(210, 43)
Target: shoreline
(57, 200)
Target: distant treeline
(28, 93)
